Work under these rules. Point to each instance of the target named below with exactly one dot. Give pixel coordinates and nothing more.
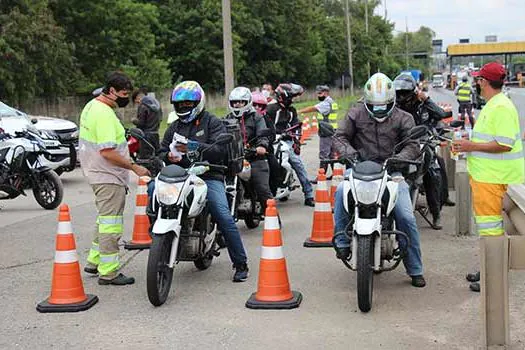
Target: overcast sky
(454, 19)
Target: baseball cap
(321, 88)
(492, 71)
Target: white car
(60, 136)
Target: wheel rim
(163, 270)
(47, 190)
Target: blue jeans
(298, 167)
(220, 212)
(405, 221)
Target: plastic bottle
(457, 136)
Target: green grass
(344, 105)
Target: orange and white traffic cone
(141, 238)
(323, 223)
(273, 286)
(308, 128)
(304, 131)
(315, 124)
(67, 290)
(337, 177)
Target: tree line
(52, 48)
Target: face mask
(478, 89)
(321, 98)
(266, 93)
(122, 101)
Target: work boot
(418, 281)
(241, 273)
(91, 269)
(436, 223)
(475, 287)
(449, 203)
(120, 280)
(309, 202)
(473, 277)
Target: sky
(455, 19)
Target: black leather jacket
(149, 115)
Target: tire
(365, 276)
(159, 276)
(48, 191)
(205, 262)
(253, 220)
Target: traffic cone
(323, 224)
(315, 124)
(304, 131)
(273, 286)
(337, 178)
(67, 290)
(141, 238)
(308, 128)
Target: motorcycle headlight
(168, 193)
(367, 191)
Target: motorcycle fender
(199, 200)
(366, 227)
(163, 226)
(392, 188)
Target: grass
(344, 105)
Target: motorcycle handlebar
(211, 166)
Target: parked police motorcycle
(370, 195)
(21, 169)
(282, 149)
(184, 229)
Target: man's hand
(421, 96)
(182, 148)
(463, 146)
(261, 151)
(172, 158)
(140, 170)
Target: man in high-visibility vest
(464, 92)
(495, 155)
(327, 119)
(105, 161)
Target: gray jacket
(359, 134)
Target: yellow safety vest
(498, 121)
(332, 117)
(464, 92)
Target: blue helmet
(188, 91)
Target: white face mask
(266, 93)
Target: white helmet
(379, 97)
(244, 94)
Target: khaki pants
(110, 200)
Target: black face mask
(478, 89)
(122, 101)
(321, 98)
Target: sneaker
(418, 281)
(120, 280)
(475, 287)
(91, 269)
(309, 202)
(473, 277)
(241, 273)
(449, 203)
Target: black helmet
(406, 91)
(286, 92)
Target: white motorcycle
(183, 229)
(369, 197)
(282, 149)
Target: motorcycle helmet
(188, 100)
(286, 92)
(259, 102)
(406, 92)
(379, 97)
(240, 101)
(464, 79)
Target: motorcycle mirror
(137, 133)
(34, 120)
(223, 139)
(457, 124)
(417, 132)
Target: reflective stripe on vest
(332, 117)
(464, 92)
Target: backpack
(235, 149)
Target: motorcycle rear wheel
(159, 275)
(49, 191)
(365, 276)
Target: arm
(115, 158)
(436, 112)
(456, 90)
(142, 116)
(310, 109)
(260, 124)
(215, 154)
(165, 144)
(344, 133)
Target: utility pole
(227, 46)
(385, 11)
(366, 29)
(349, 40)
(406, 43)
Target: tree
(35, 58)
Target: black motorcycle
(21, 169)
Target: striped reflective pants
(487, 200)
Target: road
(206, 310)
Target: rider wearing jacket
(198, 125)
(149, 116)
(283, 116)
(371, 131)
(425, 112)
(241, 109)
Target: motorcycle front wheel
(48, 190)
(365, 276)
(159, 275)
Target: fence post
(463, 199)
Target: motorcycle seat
(368, 171)
(173, 173)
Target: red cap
(493, 71)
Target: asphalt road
(206, 310)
